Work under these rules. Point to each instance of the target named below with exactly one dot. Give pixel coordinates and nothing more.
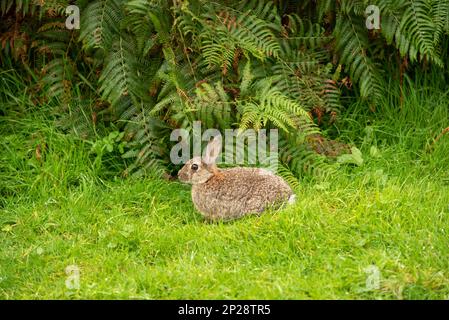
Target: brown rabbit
(224, 194)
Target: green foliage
(101, 23)
(353, 43)
(148, 67)
(108, 144)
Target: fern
(353, 44)
(149, 66)
(417, 22)
(101, 20)
(440, 17)
(213, 105)
(58, 75)
(224, 30)
(120, 76)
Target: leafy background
(138, 69)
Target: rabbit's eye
(194, 167)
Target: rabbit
(227, 194)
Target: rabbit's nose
(182, 176)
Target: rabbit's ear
(213, 149)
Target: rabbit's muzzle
(183, 176)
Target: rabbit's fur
(224, 194)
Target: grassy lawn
(142, 238)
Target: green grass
(142, 238)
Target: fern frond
(304, 33)
(324, 8)
(440, 17)
(352, 43)
(101, 20)
(120, 76)
(418, 26)
(139, 23)
(213, 105)
(295, 156)
(57, 78)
